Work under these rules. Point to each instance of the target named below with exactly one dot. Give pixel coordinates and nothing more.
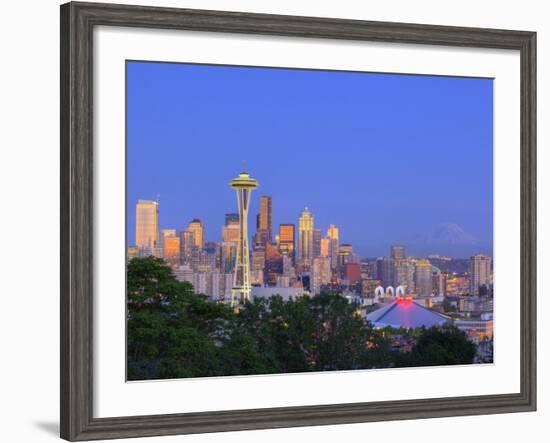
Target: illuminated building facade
(287, 240)
(325, 247)
(147, 226)
(334, 246)
(305, 238)
(171, 250)
(197, 228)
(346, 255)
(265, 221)
(165, 233)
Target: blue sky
(387, 158)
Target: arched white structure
(379, 292)
(390, 292)
(400, 291)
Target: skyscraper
(317, 242)
(439, 281)
(265, 222)
(480, 272)
(287, 244)
(257, 259)
(227, 253)
(288, 269)
(197, 228)
(166, 233)
(305, 238)
(187, 245)
(384, 270)
(171, 250)
(273, 264)
(423, 277)
(403, 274)
(334, 246)
(320, 273)
(243, 184)
(325, 247)
(401, 267)
(147, 226)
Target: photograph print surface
(287, 220)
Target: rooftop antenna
(158, 199)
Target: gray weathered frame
(77, 24)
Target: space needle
(243, 184)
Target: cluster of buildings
(304, 257)
(300, 258)
(421, 277)
(296, 256)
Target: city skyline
(286, 237)
(231, 272)
(390, 176)
(227, 224)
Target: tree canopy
(175, 333)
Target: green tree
(436, 346)
(175, 333)
(317, 333)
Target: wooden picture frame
(77, 22)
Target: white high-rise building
(423, 278)
(320, 274)
(226, 286)
(147, 226)
(213, 286)
(480, 272)
(200, 282)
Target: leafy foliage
(175, 333)
(440, 346)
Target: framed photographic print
(273, 221)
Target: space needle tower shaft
(243, 184)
